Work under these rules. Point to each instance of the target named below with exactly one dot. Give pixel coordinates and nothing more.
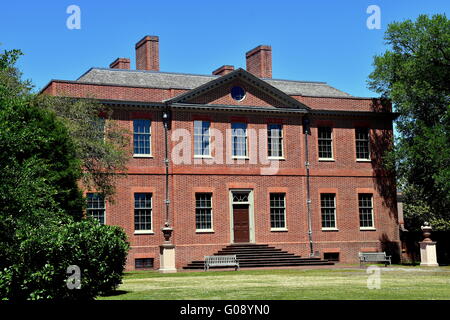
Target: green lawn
(396, 282)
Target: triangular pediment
(258, 93)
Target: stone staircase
(262, 255)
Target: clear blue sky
(321, 40)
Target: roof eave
(216, 107)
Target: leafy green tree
(415, 75)
(99, 142)
(41, 230)
(37, 153)
(10, 76)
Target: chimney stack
(223, 70)
(147, 53)
(120, 63)
(259, 61)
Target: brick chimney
(259, 61)
(147, 53)
(120, 63)
(223, 70)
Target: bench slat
(217, 261)
(374, 257)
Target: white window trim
(246, 156)
(209, 230)
(104, 215)
(332, 143)
(285, 228)
(330, 229)
(335, 228)
(205, 230)
(367, 228)
(282, 143)
(327, 159)
(143, 232)
(279, 229)
(144, 155)
(372, 228)
(137, 155)
(204, 156)
(369, 159)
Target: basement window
(143, 263)
(331, 256)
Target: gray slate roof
(167, 80)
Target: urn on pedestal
(167, 251)
(428, 255)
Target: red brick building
(292, 164)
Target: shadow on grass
(410, 264)
(115, 293)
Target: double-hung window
(325, 143)
(328, 210)
(278, 211)
(201, 138)
(142, 137)
(362, 143)
(142, 212)
(99, 127)
(365, 211)
(203, 211)
(96, 207)
(239, 139)
(275, 140)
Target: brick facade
(343, 176)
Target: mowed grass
(340, 283)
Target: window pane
(143, 263)
(142, 211)
(240, 197)
(96, 207)
(275, 140)
(325, 143)
(141, 136)
(239, 139)
(99, 126)
(201, 138)
(362, 143)
(328, 210)
(365, 210)
(277, 210)
(203, 211)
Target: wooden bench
(374, 257)
(221, 261)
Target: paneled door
(241, 226)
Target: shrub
(39, 270)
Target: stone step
(252, 251)
(256, 255)
(261, 255)
(267, 264)
(269, 259)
